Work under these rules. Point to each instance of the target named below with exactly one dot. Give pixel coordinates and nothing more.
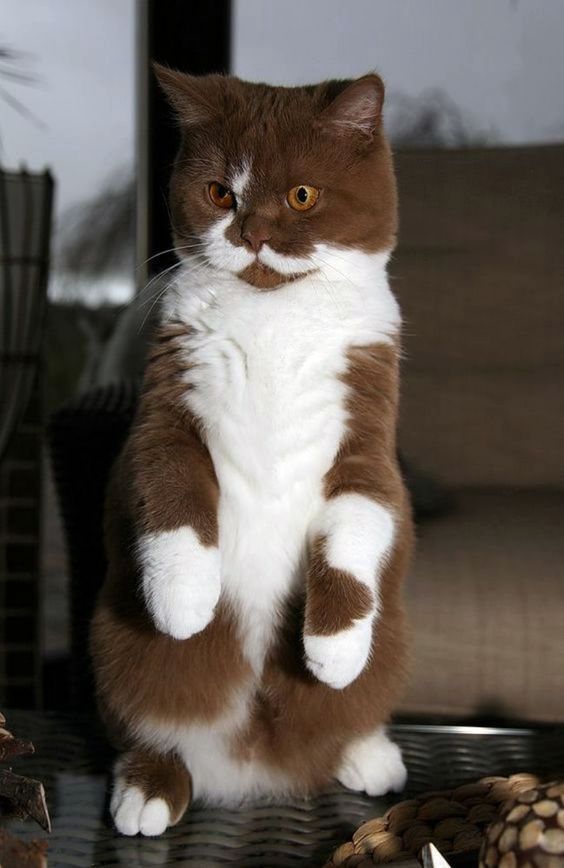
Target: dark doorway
(193, 37)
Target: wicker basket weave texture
(454, 820)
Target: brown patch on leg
(335, 599)
(142, 674)
(158, 776)
(165, 471)
(367, 459)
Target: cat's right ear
(195, 99)
(357, 109)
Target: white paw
(340, 658)
(373, 765)
(181, 581)
(133, 813)
(181, 608)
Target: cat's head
(269, 179)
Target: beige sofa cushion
(493, 429)
(480, 276)
(486, 597)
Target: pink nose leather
(255, 236)
(256, 239)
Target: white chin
(285, 264)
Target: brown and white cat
(249, 637)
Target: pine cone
(529, 831)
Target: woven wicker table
(73, 759)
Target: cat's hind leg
(150, 793)
(373, 764)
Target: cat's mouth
(262, 276)
(281, 270)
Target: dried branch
(25, 797)
(97, 237)
(11, 747)
(20, 796)
(10, 62)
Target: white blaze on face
(239, 179)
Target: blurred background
(475, 113)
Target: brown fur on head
(327, 136)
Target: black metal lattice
(25, 224)
(25, 229)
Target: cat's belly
(271, 489)
(263, 545)
(274, 417)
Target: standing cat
(249, 637)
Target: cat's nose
(255, 236)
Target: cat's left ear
(196, 99)
(357, 109)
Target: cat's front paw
(373, 764)
(181, 581)
(339, 658)
(183, 608)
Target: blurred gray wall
(500, 61)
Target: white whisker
(145, 289)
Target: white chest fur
(264, 376)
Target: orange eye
(302, 198)
(220, 195)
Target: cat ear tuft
(357, 109)
(195, 99)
